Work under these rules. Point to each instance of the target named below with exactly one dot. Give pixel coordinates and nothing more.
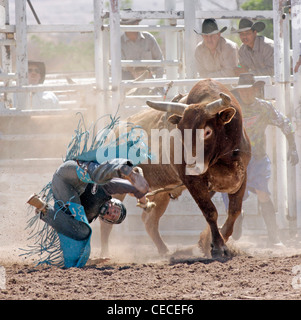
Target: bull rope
(153, 193)
(160, 190)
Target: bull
(209, 106)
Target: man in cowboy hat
(256, 54)
(137, 45)
(215, 56)
(257, 115)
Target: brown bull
(211, 107)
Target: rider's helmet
(113, 211)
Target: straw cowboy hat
(247, 80)
(246, 24)
(128, 22)
(209, 26)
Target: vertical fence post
(280, 103)
(296, 38)
(291, 170)
(190, 37)
(171, 47)
(4, 20)
(21, 52)
(115, 46)
(101, 45)
(6, 52)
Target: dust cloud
(27, 165)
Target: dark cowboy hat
(41, 67)
(246, 24)
(247, 80)
(209, 26)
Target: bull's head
(210, 118)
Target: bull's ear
(174, 119)
(227, 114)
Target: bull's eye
(207, 132)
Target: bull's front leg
(234, 210)
(211, 237)
(218, 247)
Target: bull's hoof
(104, 254)
(163, 251)
(220, 252)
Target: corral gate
(110, 90)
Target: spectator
(215, 56)
(139, 46)
(40, 99)
(257, 115)
(256, 54)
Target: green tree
(258, 5)
(75, 55)
(261, 5)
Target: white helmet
(113, 211)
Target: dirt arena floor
(135, 271)
(266, 274)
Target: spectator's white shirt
(43, 100)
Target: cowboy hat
(128, 22)
(246, 24)
(247, 80)
(209, 26)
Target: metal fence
(109, 90)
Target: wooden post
(280, 104)
(21, 52)
(115, 46)
(296, 38)
(101, 61)
(190, 37)
(171, 48)
(291, 170)
(4, 20)
(6, 52)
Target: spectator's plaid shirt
(256, 118)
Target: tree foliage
(67, 53)
(75, 55)
(261, 5)
(258, 5)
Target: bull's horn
(220, 104)
(180, 98)
(226, 99)
(173, 107)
